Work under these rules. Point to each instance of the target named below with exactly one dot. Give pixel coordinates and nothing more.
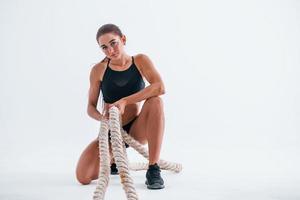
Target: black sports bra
(118, 84)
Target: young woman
(120, 77)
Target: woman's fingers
(106, 114)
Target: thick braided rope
(104, 168)
(119, 153)
(166, 165)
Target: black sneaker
(154, 180)
(114, 169)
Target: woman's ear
(123, 39)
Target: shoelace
(154, 173)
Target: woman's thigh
(138, 128)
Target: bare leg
(88, 165)
(149, 127)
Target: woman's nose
(110, 50)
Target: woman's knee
(155, 101)
(84, 180)
(88, 160)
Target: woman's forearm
(154, 89)
(94, 113)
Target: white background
(231, 71)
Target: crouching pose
(120, 78)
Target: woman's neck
(121, 61)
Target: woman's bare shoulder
(99, 69)
(141, 57)
(141, 60)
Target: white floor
(232, 110)
(214, 174)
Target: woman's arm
(93, 95)
(156, 86)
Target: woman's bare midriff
(130, 112)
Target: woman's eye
(113, 44)
(104, 48)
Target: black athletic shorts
(126, 128)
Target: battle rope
(118, 139)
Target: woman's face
(112, 45)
